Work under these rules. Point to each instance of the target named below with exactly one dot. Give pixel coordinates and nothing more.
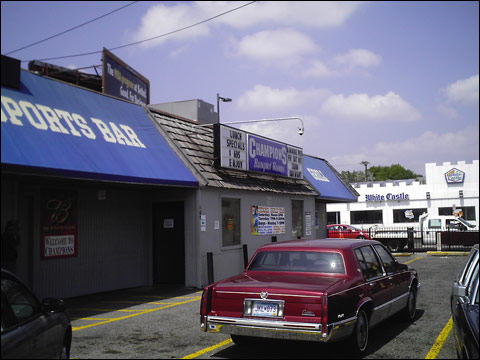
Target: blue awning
(326, 180)
(56, 128)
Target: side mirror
(53, 305)
(459, 290)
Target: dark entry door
(168, 243)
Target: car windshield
(298, 261)
(465, 222)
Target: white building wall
(410, 194)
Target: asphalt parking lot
(163, 322)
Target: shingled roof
(195, 144)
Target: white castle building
(449, 188)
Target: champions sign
(239, 150)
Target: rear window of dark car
(298, 261)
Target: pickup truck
(427, 232)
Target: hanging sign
(121, 81)
(239, 150)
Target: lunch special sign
(239, 150)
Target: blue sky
(383, 82)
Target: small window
(371, 267)
(434, 223)
(389, 263)
(231, 222)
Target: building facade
(449, 188)
(112, 195)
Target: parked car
(464, 303)
(346, 232)
(30, 329)
(318, 290)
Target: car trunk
(302, 294)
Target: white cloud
(389, 107)
(317, 68)
(464, 92)
(282, 47)
(358, 58)
(263, 97)
(315, 14)
(414, 152)
(161, 19)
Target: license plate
(264, 308)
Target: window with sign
(231, 222)
(408, 215)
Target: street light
(218, 105)
(301, 129)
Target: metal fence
(415, 239)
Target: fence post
(410, 238)
(210, 268)
(245, 256)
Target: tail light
(205, 306)
(324, 315)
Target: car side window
(23, 304)
(471, 282)
(389, 263)
(468, 269)
(371, 267)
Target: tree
(393, 172)
(355, 176)
(379, 173)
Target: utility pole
(365, 163)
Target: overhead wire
(73, 28)
(149, 39)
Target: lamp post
(301, 129)
(218, 105)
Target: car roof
(323, 244)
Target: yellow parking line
(211, 348)
(133, 315)
(136, 302)
(410, 261)
(103, 310)
(432, 354)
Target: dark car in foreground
(464, 303)
(346, 232)
(318, 290)
(30, 329)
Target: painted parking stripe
(211, 348)
(432, 354)
(418, 258)
(133, 315)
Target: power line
(152, 38)
(75, 27)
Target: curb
(402, 254)
(443, 253)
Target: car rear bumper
(279, 329)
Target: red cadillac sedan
(322, 290)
